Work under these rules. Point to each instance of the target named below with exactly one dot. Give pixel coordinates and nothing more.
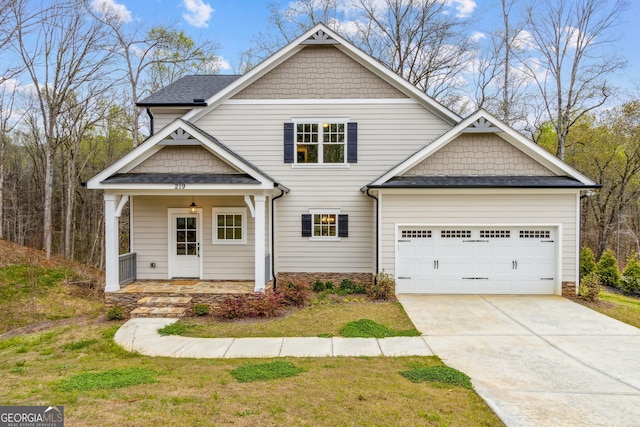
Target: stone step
(150, 311)
(164, 301)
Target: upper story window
(320, 143)
(329, 141)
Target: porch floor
(186, 286)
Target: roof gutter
(150, 114)
(283, 190)
(377, 231)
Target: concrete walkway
(537, 360)
(141, 335)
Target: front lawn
(76, 367)
(320, 320)
(622, 307)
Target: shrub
(259, 304)
(348, 287)
(318, 286)
(630, 282)
(115, 313)
(587, 261)
(296, 295)
(383, 288)
(590, 287)
(607, 269)
(201, 309)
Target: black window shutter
(352, 142)
(306, 225)
(288, 143)
(343, 225)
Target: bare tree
(500, 81)
(418, 39)
(62, 50)
(570, 58)
(153, 58)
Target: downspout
(273, 235)
(377, 231)
(150, 114)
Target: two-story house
(322, 163)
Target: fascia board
(169, 188)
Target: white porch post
(259, 219)
(111, 246)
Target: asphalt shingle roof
(182, 178)
(184, 91)
(482, 182)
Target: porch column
(259, 219)
(111, 246)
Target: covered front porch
(197, 211)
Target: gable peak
(320, 37)
(482, 125)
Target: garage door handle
(404, 277)
(514, 265)
(546, 278)
(475, 278)
(436, 264)
(546, 241)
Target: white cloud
(111, 9)
(464, 8)
(198, 13)
(222, 64)
(477, 36)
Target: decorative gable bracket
(320, 38)
(482, 125)
(180, 137)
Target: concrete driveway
(536, 360)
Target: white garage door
(476, 260)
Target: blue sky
(233, 23)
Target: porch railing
(127, 268)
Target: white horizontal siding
(501, 207)
(150, 239)
(387, 134)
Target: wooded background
(71, 72)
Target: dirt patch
(44, 326)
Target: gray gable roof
(186, 178)
(188, 89)
(483, 182)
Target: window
(495, 234)
(455, 234)
(416, 234)
(325, 224)
(535, 234)
(320, 143)
(317, 141)
(229, 225)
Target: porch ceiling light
(193, 208)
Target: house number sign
(180, 186)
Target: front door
(185, 245)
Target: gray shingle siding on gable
(184, 91)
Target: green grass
(622, 307)
(174, 329)
(30, 294)
(321, 320)
(106, 380)
(266, 371)
(367, 328)
(438, 374)
(341, 391)
(79, 345)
